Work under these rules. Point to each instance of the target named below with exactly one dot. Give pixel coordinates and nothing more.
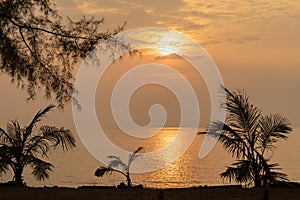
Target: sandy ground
(97, 193)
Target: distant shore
(96, 193)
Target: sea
(76, 167)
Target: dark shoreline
(291, 191)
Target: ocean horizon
(76, 167)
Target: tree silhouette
(22, 147)
(115, 163)
(38, 48)
(250, 137)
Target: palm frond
(58, 137)
(242, 116)
(38, 145)
(235, 146)
(41, 169)
(276, 126)
(248, 134)
(11, 130)
(138, 150)
(7, 137)
(240, 113)
(273, 128)
(14, 129)
(49, 137)
(116, 162)
(239, 172)
(278, 176)
(37, 118)
(230, 139)
(20, 147)
(101, 171)
(5, 159)
(133, 155)
(272, 175)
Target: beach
(92, 193)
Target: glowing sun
(168, 45)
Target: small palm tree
(22, 147)
(115, 163)
(250, 137)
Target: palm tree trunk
(257, 177)
(18, 178)
(128, 180)
(266, 194)
(257, 180)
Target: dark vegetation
(251, 137)
(22, 147)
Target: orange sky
(255, 45)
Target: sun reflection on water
(175, 173)
(187, 171)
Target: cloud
(167, 57)
(217, 19)
(206, 15)
(159, 5)
(89, 8)
(125, 6)
(244, 39)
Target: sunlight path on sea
(76, 168)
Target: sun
(167, 50)
(168, 45)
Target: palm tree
(115, 163)
(250, 137)
(23, 147)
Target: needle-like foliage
(39, 48)
(22, 147)
(250, 137)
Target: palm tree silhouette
(250, 137)
(115, 163)
(22, 147)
